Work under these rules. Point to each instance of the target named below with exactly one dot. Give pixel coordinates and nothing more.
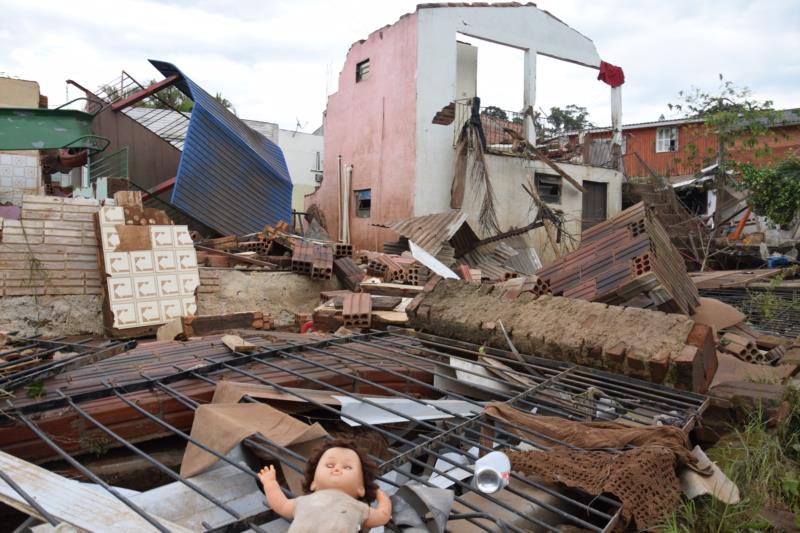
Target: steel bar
(29, 499)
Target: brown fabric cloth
(593, 435)
(643, 479)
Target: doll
(339, 484)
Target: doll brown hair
(368, 467)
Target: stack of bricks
(51, 249)
(533, 285)
(628, 256)
(357, 310)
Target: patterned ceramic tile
(120, 289)
(109, 238)
(186, 259)
(148, 312)
(182, 237)
(168, 285)
(165, 261)
(111, 215)
(189, 283)
(161, 237)
(150, 287)
(171, 309)
(189, 306)
(142, 262)
(145, 287)
(124, 315)
(118, 263)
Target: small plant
(764, 464)
(36, 390)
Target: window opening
(549, 188)
(667, 140)
(363, 203)
(362, 71)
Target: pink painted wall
(371, 124)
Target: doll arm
(276, 499)
(381, 513)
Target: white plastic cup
(492, 472)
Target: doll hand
(267, 476)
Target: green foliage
(764, 465)
(36, 390)
(570, 118)
(774, 190)
(490, 111)
(730, 114)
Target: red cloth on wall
(611, 74)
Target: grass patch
(764, 462)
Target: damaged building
(464, 303)
(391, 151)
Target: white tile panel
(168, 286)
(189, 306)
(124, 315)
(189, 282)
(165, 261)
(142, 262)
(120, 289)
(109, 238)
(161, 237)
(186, 259)
(145, 287)
(171, 309)
(182, 237)
(112, 215)
(118, 263)
(148, 312)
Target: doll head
(339, 464)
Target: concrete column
(616, 127)
(530, 94)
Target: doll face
(340, 469)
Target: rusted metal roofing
(430, 232)
(230, 177)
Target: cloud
(277, 60)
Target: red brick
(690, 373)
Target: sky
(278, 60)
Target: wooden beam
(140, 95)
(538, 153)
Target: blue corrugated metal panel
(230, 177)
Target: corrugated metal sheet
(430, 232)
(230, 177)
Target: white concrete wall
(300, 150)
(466, 71)
(526, 28)
(515, 208)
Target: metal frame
(45, 349)
(555, 388)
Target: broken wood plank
(236, 257)
(391, 289)
(237, 344)
(546, 160)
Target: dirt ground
(280, 294)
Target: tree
(570, 118)
(734, 118)
(495, 112)
(774, 190)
